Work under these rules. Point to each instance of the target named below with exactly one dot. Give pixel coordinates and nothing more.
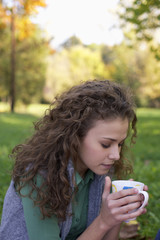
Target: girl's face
(102, 145)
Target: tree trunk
(12, 89)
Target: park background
(33, 70)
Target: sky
(90, 20)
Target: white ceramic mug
(119, 185)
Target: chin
(101, 173)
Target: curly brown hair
(58, 136)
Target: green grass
(14, 128)
(147, 167)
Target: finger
(128, 208)
(133, 214)
(133, 228)
(145, 188)
(107, 186)
(126, 236)
(132, 234)
(128, 215)
(123, 210)
(124, 193)
(127, 200)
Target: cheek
(87, 150)
(92, 151)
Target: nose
(114, 153)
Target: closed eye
(105, 146)
(121, 144)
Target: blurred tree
(4, 63)
(106, 54)
(31, 68)
(30, 72)
(72, 41)
(69, 67)
(143, 18)
(127, 66)
(85, 63)
(149, 93)
(138, 68)
(15, 14)
(135, 67)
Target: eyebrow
(114, 140)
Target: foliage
(107, 54)
(31, 60)
(22, 10)
(16, 18)
(68, 67)
(30, 67)
(143, 15)
(143, 18)
(72, 41)
(135, 67)
(124, 60)
(29, 55)
(150, 81)
(15, 128)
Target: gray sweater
(13, 226)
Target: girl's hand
(116, 206)
(145, 188)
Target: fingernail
(144, 211)
(135, 190)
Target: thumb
(107, 186)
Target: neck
(81, 168)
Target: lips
(107, 166)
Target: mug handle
(146, 197)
